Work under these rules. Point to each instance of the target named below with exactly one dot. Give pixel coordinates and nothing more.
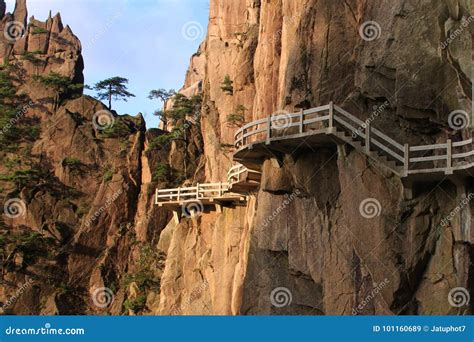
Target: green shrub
(117, 130)
(227, 85)
(72, 163)
(10, 163)
(39, 30)
(136, 304)
(161, 173)
(237, 118)
(108, 174)
(22, 178)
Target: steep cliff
(79, 225)
(413, 61)
(83, 234)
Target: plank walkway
(332, 125)
(327, 125)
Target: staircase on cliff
(279, 135)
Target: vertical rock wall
(285, 55)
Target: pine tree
(114, 87)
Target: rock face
(286, 55)
(85, 240)
(91, 239)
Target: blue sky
(142, 40)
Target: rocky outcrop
(91, 239)
(84, 178)
(414, 61)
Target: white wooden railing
(236, 174)
(198, 192)
(328, 119)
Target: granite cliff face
(286, 55)
(80, 234)
(92, 241)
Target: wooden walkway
(240, 181)
(330, 125)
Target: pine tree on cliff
(58, 83)
(114, 87)
(163, 95)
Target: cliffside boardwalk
(281, 134)
(240, 180)
(331, 125)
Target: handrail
(235, 172)
(397, 152)
(203, 191)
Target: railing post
(156, 196)
(449, 157)
(331, 114)
(367, 137)
(220, 189)
(301, 120)
(269, 129)
(197, 191)
(179, 192)
(406, 159)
